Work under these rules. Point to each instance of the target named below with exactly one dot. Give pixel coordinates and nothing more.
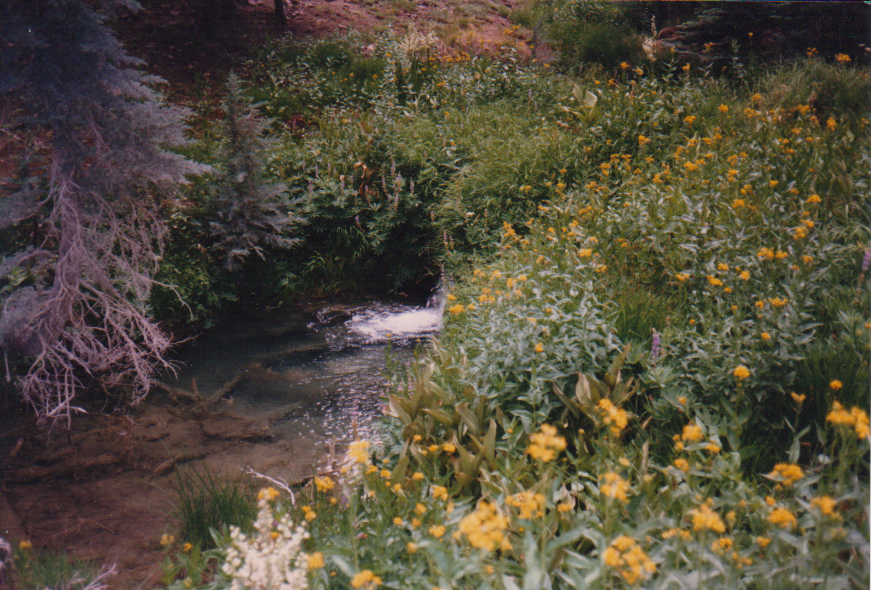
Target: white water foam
(384, 323)
(404, 322)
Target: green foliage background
(619, 243)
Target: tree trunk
(280, 13)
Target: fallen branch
(279, 482)
(65, 469)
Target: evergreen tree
(100, 232)
(250, 212)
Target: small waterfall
(398, 322)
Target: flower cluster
(546, 444)
(485, 528)
(531, 504)
(741, 372)
(270, 558)
(692, 433)
(789, 474)
(324, 484)
(826, 505)
(614, 418)
(614, 486)
(365, 578)
(705, 518)
(782, 517)
(855, 418)
(626, 556)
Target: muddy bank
(105, 491)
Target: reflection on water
(317, 375)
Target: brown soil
(103, 492)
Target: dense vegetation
(654, 369)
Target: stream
(318, 374)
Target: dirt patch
(104, 492)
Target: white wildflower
(271, 557)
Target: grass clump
(208, 504)
(36, 569)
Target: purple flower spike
(655, 348)
(866, 262)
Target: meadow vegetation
(654, 368)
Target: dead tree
(100, 227)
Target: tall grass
(208, 503)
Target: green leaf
(440, 415)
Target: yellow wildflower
(314, 561)
(692, 433)
(799, 398)
(437, 531)
(324, 484)
(359, 452)
(267, 494)
(539, 348)
(546, 444)
(529, 503)
(440, 493)
(826, 506)
(813, 199)
(782, 517)
(626, 556)
(457, 309)
(615, 418)
(675, 532)
(855, 418)
(706, 518)
(836, 385)
(614, 486)
(682, 465)
(485, 527)
(366, 579)
(741, 372)
(715, 282)
(789, 473)
(722, 545)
